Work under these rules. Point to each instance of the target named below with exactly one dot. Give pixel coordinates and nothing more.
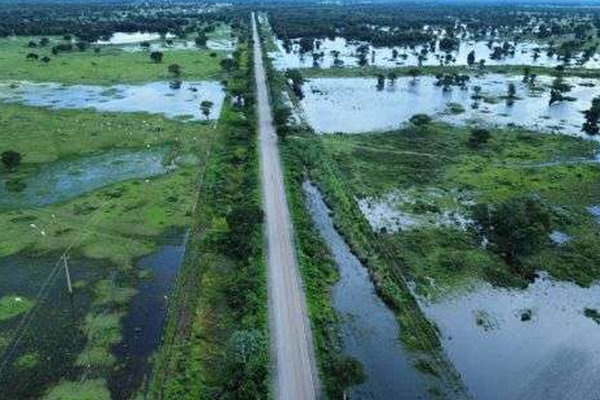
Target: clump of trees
(479, 137)
(515, 229)
(420, 120)
(156, 57)
(11, 160)
(590, 126)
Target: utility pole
(67, 275)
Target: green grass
(12, 306)
(110, 66)
(102, 332)
(434, 167)
(118, 222)
(90, 389)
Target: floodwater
(383, 57)
(212, 44)
(355, 105)
(132, 37)
(531, 344)
(153, 98)
(54, 332)
(370, 332)
(144, 323)
(67, 179)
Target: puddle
(523, 344)
(64, 180)
(355, 105)
(153, 98)
(346, 52)
(369, 329)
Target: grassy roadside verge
(216, 340)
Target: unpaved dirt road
(292, 352)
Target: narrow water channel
(370, 332)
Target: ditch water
(144, 324)
(347, 54)
(67, 179)
(369, 329)
(153, 98)
(54, 332)
(534, 344)
(355, 105)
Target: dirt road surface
(292, 352)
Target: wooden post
(68, 276)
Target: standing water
(369, 329)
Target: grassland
(110, 66)
(434, 166)
(126, 216)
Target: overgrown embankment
(216, 341)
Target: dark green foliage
(515, 228)
(11, 159)
(479, 137)
(420, 119)
(156, 56)
(590, 126)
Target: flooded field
(343, 53)
(48, 348)
(356, 105)
(539, 343)
(67, 179)
(179, 102)
(370, 332)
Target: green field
(108, 67)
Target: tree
(228, 64)
(11, 159)
(201, 39)
(380, 82)
(392, 76)
(205, 107)
(349, 372)
(590, 126)
(515, 228)
(479, 136)
(45, 59)
(31, 56)
(156, 57)
(471, 58)
(44, 41)
(175, 70)
(511, 94)
(420, 119)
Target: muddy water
(369, 329)
(153, 98)
(355, 105)
(533, 344)
(67, 179)
(524, 55)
